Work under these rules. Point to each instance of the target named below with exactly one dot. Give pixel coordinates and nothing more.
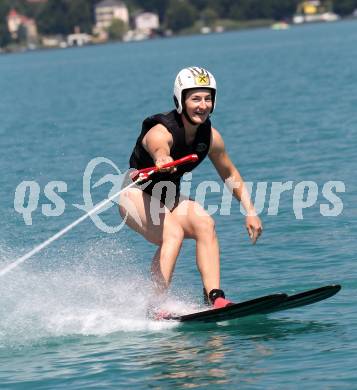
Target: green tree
(200, 5)
(53, 18)
(282, 9)
(79, 14)
(209, 16)
(31, 10)
(92, 4)
(21, 35)
(62, 16)
(222, 7)
(267, 9)
(344, 7)
(249, 9)
(117, 30)
(5, 37)
(180, 14)
(4, 10)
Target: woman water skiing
(167, 137)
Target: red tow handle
(144, 173)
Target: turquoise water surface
(73, 316)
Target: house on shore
(146, 22)
(18, 24)
(106, 12)
(78, 39)
(314, 11)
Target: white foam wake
(85, 298)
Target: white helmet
(193, 77)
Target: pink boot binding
(216, 298)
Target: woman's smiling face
(198, 104)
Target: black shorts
(167, 191)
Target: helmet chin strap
(188, 117)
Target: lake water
(73, 316)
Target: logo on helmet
(202, 80)
(201, 77)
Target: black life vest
(140, 158)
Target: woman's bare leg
(164, 231)
(197, 224)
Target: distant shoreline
(193, 31)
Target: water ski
(263, 305)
